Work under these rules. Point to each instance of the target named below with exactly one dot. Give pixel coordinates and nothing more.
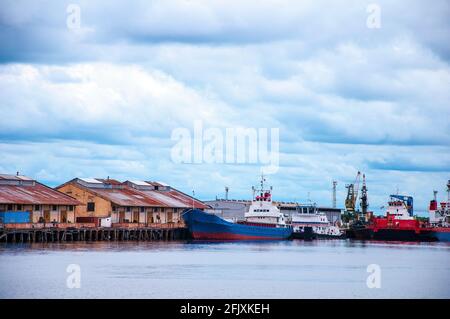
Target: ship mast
(448, 191)
(262, 182)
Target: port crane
(352, 213)
(352, 194)
(364, 200)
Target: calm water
(289, 269)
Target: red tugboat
(398, 224)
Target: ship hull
(441, 234)
(211, 227)
(306, 234)
(389, 234)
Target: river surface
(285, 269)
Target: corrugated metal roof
(141, 183)
(163, 198)
(187, 199)
(130, 196)
(34, 194)
(15, 177)
(109, 181)
(91, 180)
(126, 197)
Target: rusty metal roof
(173, 198)
(109, 181)
(14, 191)
(127, 197)
(14, 177)
(140, 195)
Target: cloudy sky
(101, 95)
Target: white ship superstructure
(440, 213)
(263, 211)
(308, 218)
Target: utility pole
(334, 193)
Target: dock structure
(91, 234)
(91, 209)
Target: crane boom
(357, 182)
(352, 193)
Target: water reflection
(194, 269)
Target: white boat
(308, 223)
(263, 212)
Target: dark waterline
(285, 269)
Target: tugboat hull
(393, 234)
(206, 226)
(306, 234)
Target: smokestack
(226, 192)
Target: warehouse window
(37, 207)
(128, 209)
(155, 210)
(54, 208)
(70, 208)
(90, 207)
(19, 207)
(10, 207)
(142, 209)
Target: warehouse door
(135, 217)
(47, 216)
(63, 216)
(169, 216)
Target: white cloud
(346, 98)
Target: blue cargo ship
(263, 221)
(203, 225)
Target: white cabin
(263, 211)
(307, 216)
(399, 209)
